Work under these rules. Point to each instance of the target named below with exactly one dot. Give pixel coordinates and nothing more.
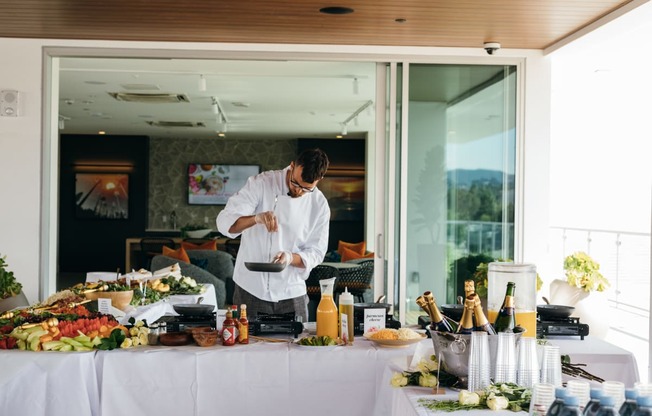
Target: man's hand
(268, 219)
(284, 257)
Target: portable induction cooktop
(182, 322)
(571, 326)
(275, 324)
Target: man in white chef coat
(283, 218)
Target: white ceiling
(261, 99)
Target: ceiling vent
(150, 98)
(191, 124)
(140, 87)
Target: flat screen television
(213, 184)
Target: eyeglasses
(296, 184)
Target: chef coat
(302, 229)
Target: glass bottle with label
(228, 330)
(437, 321)
(243, 330)
(505, 320)
(481, 321)
(466, 322)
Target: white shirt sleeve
(243, 203)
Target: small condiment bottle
(152, 337)
(236, 321)
(243, 330)
(228, 330)
(162, 328)
(346, 317)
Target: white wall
(21, 138)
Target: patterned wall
(168, 163)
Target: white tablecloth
(602, 359)
(48, 383)
(260, 378)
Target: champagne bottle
(481, 321)
(506, 320)
(438, 321)
(466, 322)
(469, 287)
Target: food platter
(395, 343)
(265, 267)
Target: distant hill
(466, 177)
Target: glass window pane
(461, 173)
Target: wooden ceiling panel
(528, 24)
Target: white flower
(133, 331)
(427, 380)
(497, 402)
(126, 343)
(399, 380)
(135, 341)
(427, 365)
(468, 398)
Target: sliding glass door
(456, 154)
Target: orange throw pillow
(359, 248)
(351, 255)
(208, 245)
(176, 254)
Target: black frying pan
(555, 311)
(193, 309)
(265, 267)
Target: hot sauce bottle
(243, 335)
(228, 330)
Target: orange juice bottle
(327, 314)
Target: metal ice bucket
(453, 350)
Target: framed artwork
(212, 184)
(345, 195)
(102, 196)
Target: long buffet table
(260, 378)
(602, 359)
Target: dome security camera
(491, 47)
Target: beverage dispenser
(525, 295)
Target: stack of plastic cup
(479, 362)
(505, 370)
(551, 365)
(543, 394)
(527, 363)
(580, 389)
(643, 388)
(615, 389)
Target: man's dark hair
(314, 162)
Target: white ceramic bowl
(198, 233)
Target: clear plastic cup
(543, 394)
(551, 365)
(479, 362)
(527, 363)
(643, 388)
(505, 368)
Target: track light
(215, 108)
(344, 129)
(356, 87)
(202, 83)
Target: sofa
(206, 266)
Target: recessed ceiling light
(336, 10)
(101, 132)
